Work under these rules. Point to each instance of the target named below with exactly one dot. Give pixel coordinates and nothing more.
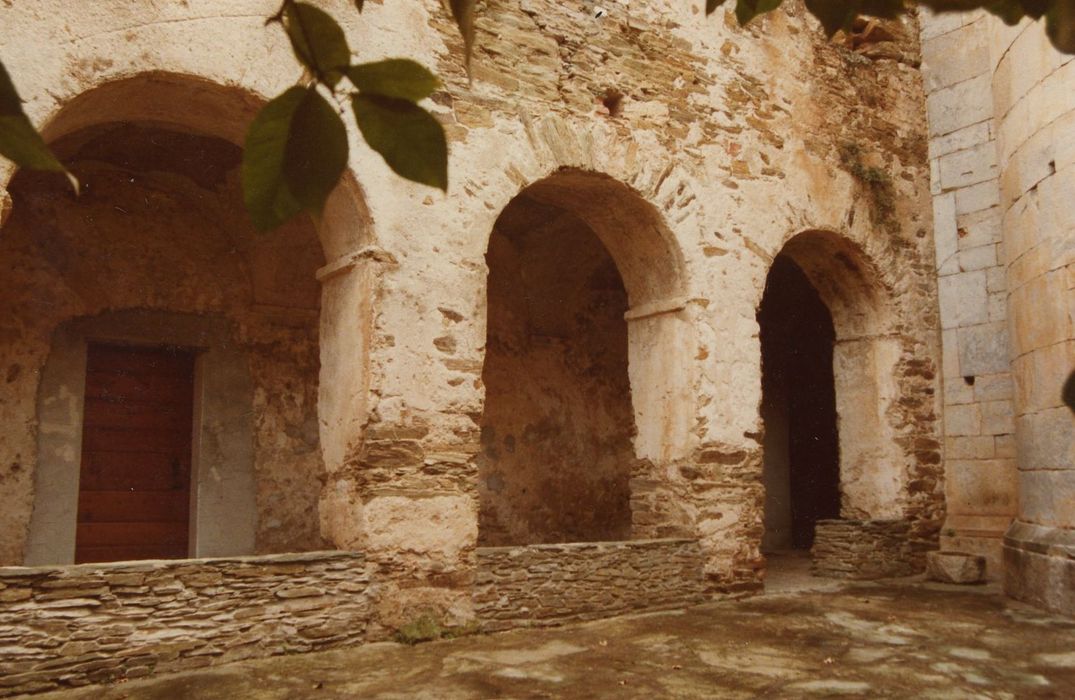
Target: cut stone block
(955, 567)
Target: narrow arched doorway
(801, 467)
(835, 463)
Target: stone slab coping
(576, 546)
(158, 564)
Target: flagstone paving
(895, 639)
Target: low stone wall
(864, 549)
(74, 625)
(551, 584)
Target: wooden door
(134, 485)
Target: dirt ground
(905, 639)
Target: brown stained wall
(557, 427)
(159, 226)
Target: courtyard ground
(803, 638)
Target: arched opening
(829, 383)
(801, 467)
(178, 349)
(570, 259)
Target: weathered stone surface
(864, 549)
(955, 567)
(724, 143)
(542, 585)
(255, 603)
(865, 639)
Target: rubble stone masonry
(543, 585)
(95, 623)
(863, 549)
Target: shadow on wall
(571, 259)
(160, 228)
(557, 428)
(802, 463)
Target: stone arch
(211, 109)
(866, 354)
(281, 289)
(624, 285)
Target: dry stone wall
(544, 585)
(93, 623)
(864, 549)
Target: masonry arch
(157, 252)
(583, 374)
(830, 353)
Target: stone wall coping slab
(158, 564)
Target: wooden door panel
(132, 533)
(132, 414)
(133, 506)
(152, 388)
(123, 439)
(125, 471)
(134, 488)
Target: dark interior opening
(801, 466)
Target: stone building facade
(565, 348)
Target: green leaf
(1060, 25)
(712, 5)
(19, 141)
(463, 14)
(1068, 392)
(296, 150)
(394, 77)
(834, 15)
(265, 192)
(411, 141)
(316, 152)
(746, 10)
(318, 41)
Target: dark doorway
(802, 467)
(134, 484)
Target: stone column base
(1039, 566)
